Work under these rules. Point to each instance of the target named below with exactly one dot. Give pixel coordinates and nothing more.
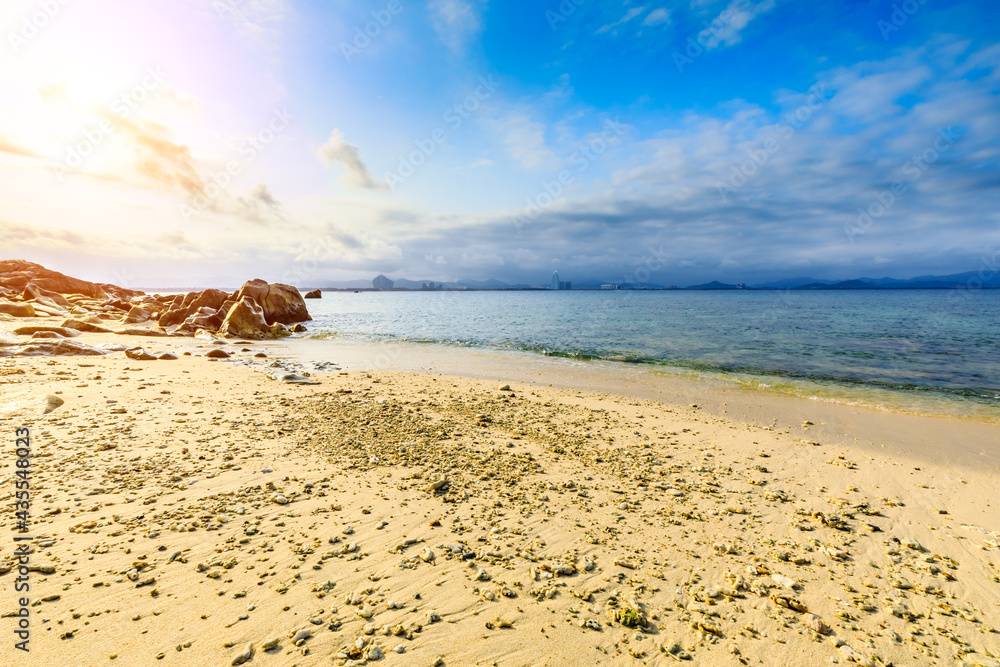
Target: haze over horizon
(747, 141)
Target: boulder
(62, 331)
(33, 292)
(203, 318)
(217, 354)
(298, 328)
(183, 306)
(140, 332)
(139, 354)
(280, 303)
(245, 320)
(17, 309)
(45, 334)
(51, 348)
(137, 314)
(85, 325)
(16, 274)
(314, 294)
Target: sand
(185, 509)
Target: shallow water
(919, 350)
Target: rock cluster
(258, 310)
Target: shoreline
(973, 443)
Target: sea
(920, 351)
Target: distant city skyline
(675, 142)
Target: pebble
(244, 655)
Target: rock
(62, 331)
(243, 655)
(51, 403)
(137, 314)
(280, 303)
(245, 320)
(814, 623)
(82, 325)
(279, 330)
(18, 273)
(139, 354)
(141, 332)
(167, 356)
(298, 328)
(45, 334)
(292, 378)
(217, 354)
(45, 348)
(17, 309)
(314, 294)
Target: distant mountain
(715, 284)
(792, 283)
(847, 284)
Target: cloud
(629, 15)
(727, 28)
(337, 151)
(657, 17)
(524, 139)
(457, 21)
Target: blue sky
(741, 140)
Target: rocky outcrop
(182, 306)
(44, 348)
(16, 308)
(16, 274)
(280, 303)
(245, 320)
(257, 310)
(314, 294)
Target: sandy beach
(444, 511)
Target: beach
(450, 507)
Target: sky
(207, 142)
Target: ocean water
(913, 350)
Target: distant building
(558, 284)
(610, 286)
(381, 282)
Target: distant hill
(792, 283)
(714, 285)
(846, 284)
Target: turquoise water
(916, 349)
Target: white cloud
(525, 141)
(657, 17)
(726, 29)
(457, 21)
(337, 151)
(629, 15)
